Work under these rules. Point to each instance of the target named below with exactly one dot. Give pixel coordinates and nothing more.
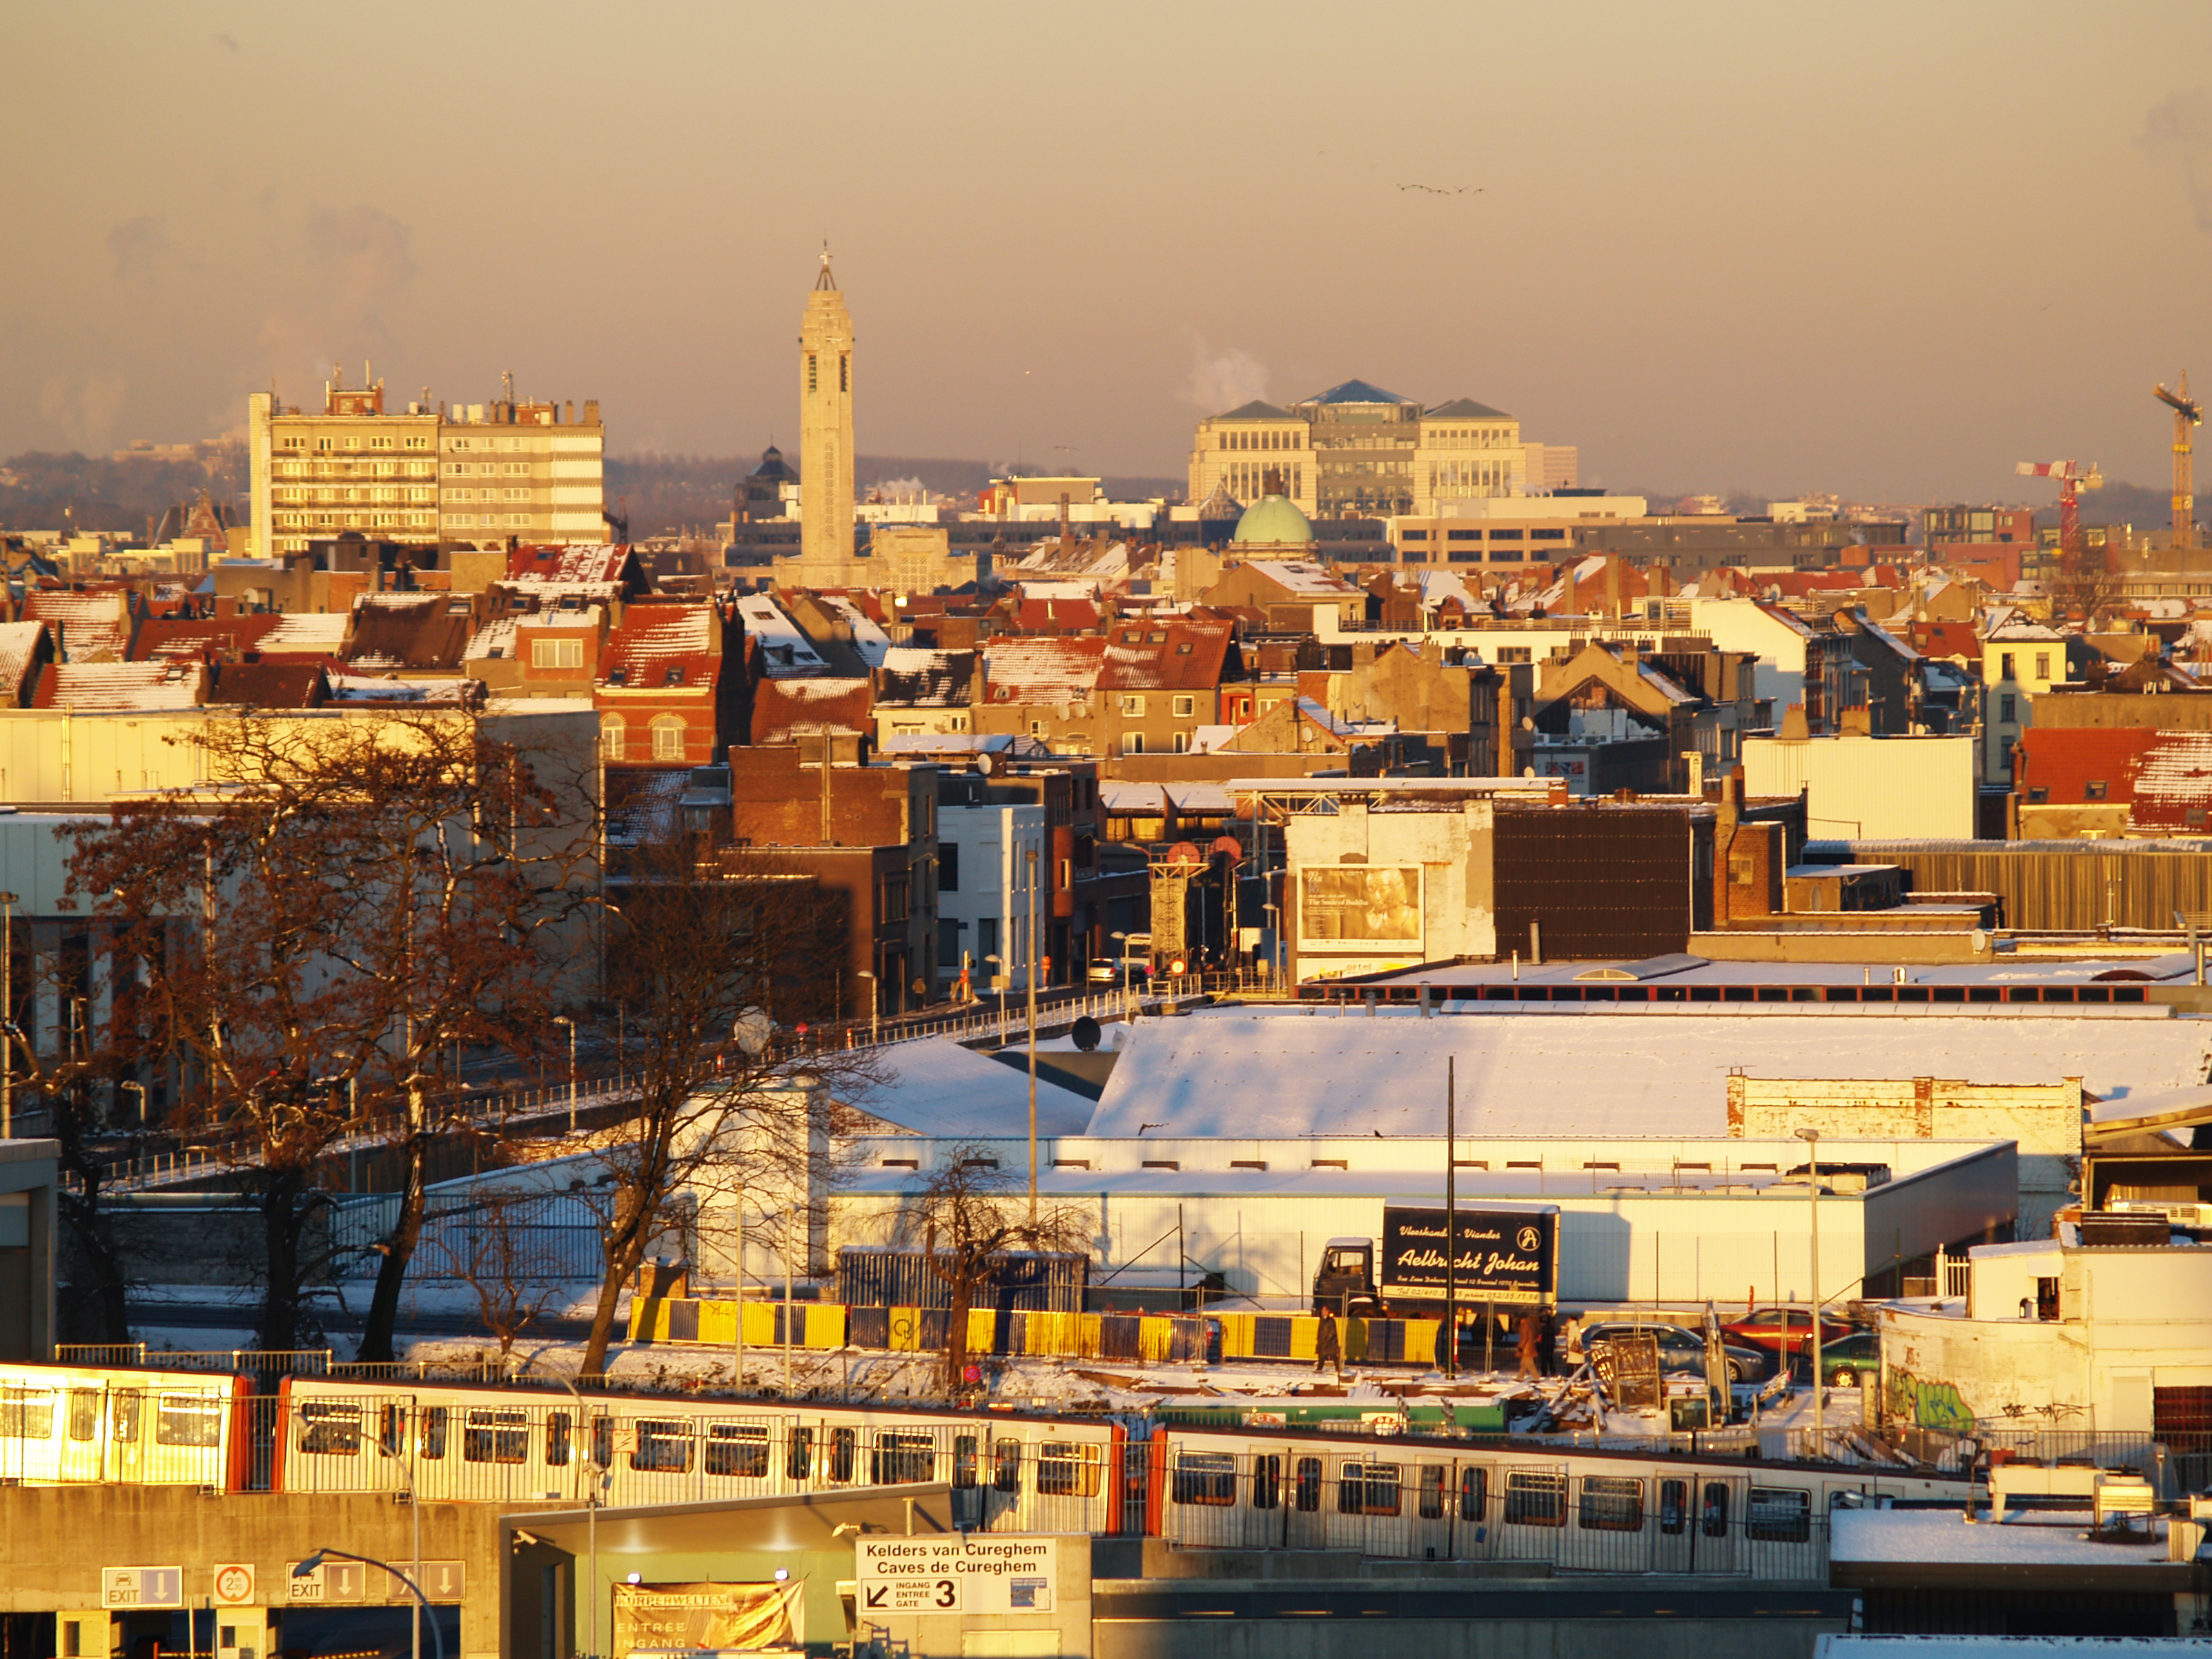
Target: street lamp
(589, 1440)
(308, 1567)
(1812, 1140)
(563, 1019)
(875, 1006)
(139, 1089)
(8, 903)
(1122, 941)
(1031, 975)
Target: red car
(1783, 1330)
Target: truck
(1507, 1256)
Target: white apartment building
(476, 474)
(984, 873)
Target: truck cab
(1344, 1282)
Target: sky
(1884, 250)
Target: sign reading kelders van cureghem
(1504, 1255)
(986, 1573)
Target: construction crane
(2188, 414)
(2073, 478)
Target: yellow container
(825, 1325)
(905, 1329)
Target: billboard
(1504, 1254)
(1352, 903)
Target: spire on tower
(825, 280)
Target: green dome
(1272, 519)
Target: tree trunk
(280, 1237)
(622, 1263)
(955, 1335)
(399, 1253)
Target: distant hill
(40, 490)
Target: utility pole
(1812, 1140)
(1033, 1024)
(8, 1019)
(1450, 1333)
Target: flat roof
(797, 1521)
(1690, 969)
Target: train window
(188, 1419)
(843, 1443)
(1611, 1503)
(603, 1442)
(495, 1437)
(964, 1462)
(125, 1410)
(26, 1414)
(1432, 1492)
(665, 1443)
(1712, 1518)
(739, 1448)
(1065, 1469)
(1306, 1493)
(1267, 1482)
(798, 1460)
(328, 1428)
(900, 1456)
(1673, 1505)
(556, 1439)
(1367, 1489)
(392, 1434)
(434, 1418)
(1779, 1514)
(1473, 1492)
(1204, 1477)
(1535, 1498)
(1006, 1465)
(83, 1414)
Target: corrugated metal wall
(2059, 886)
(1604, 882)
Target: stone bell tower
(825, 437)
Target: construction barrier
(1141, 1339)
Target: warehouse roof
(935, 1087)
(1593, 1071)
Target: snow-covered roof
(19, 643)
(784, 649)
(868, 636)
(94, 687)
(933, 1086)
(1304, 576)
(1041, 669)
(321, 633)
(1588, 1072)
(2024, 1537)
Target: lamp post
(305, 1569)
(139, 1089)
(563, 1019)
(1122, 941)
(1031, 975)
(1812, 1140)
(589, 1441)
(8, 903)
(875, 1006)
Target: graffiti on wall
(1926, 1405)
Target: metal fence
(535, 1239)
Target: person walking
(1328, 1347)
(1525, 1341)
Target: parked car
(1104, 970)
(1851, 1361)
(1783, 1330)
(1681, 1349)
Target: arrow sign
(879, 1594)
(142, 1587)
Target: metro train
(1373, 1489)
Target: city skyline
(1863, 272)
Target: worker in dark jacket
(1526, 1340)
(1328, 1348)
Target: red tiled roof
(1954, 639)
(783, 708)
(201, 637)
(1042, 668)
(2173, 787)
(1154, 655)
(2064, 760)
(94, 687)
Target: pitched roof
(786, 708)
(912, 677)
(1465, 408)
(1257, 410)
(654, 640)
(2175, 781)
(201, 637)
(2063, 761)
(19, 648)
(1185, 655)
(317, 632)
(91, 627)
(1357, 392)
(1042, 668)
(270, 684)
(417, 631)
(590, 564)
(90, 688)
(785, 648)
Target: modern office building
(429, 475)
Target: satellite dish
(1086, 1034)
(983, 764)
(751, 1031)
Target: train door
(1781, 1535)
(126, 1430)
(1717, 1522)
(1474, 1524)
(81, 1447)
(1429, 1528)
(1373, 1506)
(1266, 1495)
(1604, 1531)
(1532, 1511)
(1305, 1518)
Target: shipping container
(1024, 1281)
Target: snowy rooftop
(784, 649)
(2025, 1538)
(1610, 1071)
(935, 1087)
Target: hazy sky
(1885, 250)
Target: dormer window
(619, 676)
(675, 675)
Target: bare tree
(698, 954)
(349, 902)
(504, 1246)
(972, 1217)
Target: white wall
(993, 885)
(1870, 788)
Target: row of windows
(374, 520)
(513, 468)
(487, 495)
(381, 493)
(1265, 438)
(349, 468)
(489, 520)
(1133, 704)
(325, 445)
(666, 738)
(1471, 437)
(1533, 1497)
(179, 1419)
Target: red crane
(2073, 478)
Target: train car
(1009, 1471)
(1599, 1511)
(62, 1425)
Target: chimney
(1063, 524)
(1613, 585)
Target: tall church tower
(825, 436)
